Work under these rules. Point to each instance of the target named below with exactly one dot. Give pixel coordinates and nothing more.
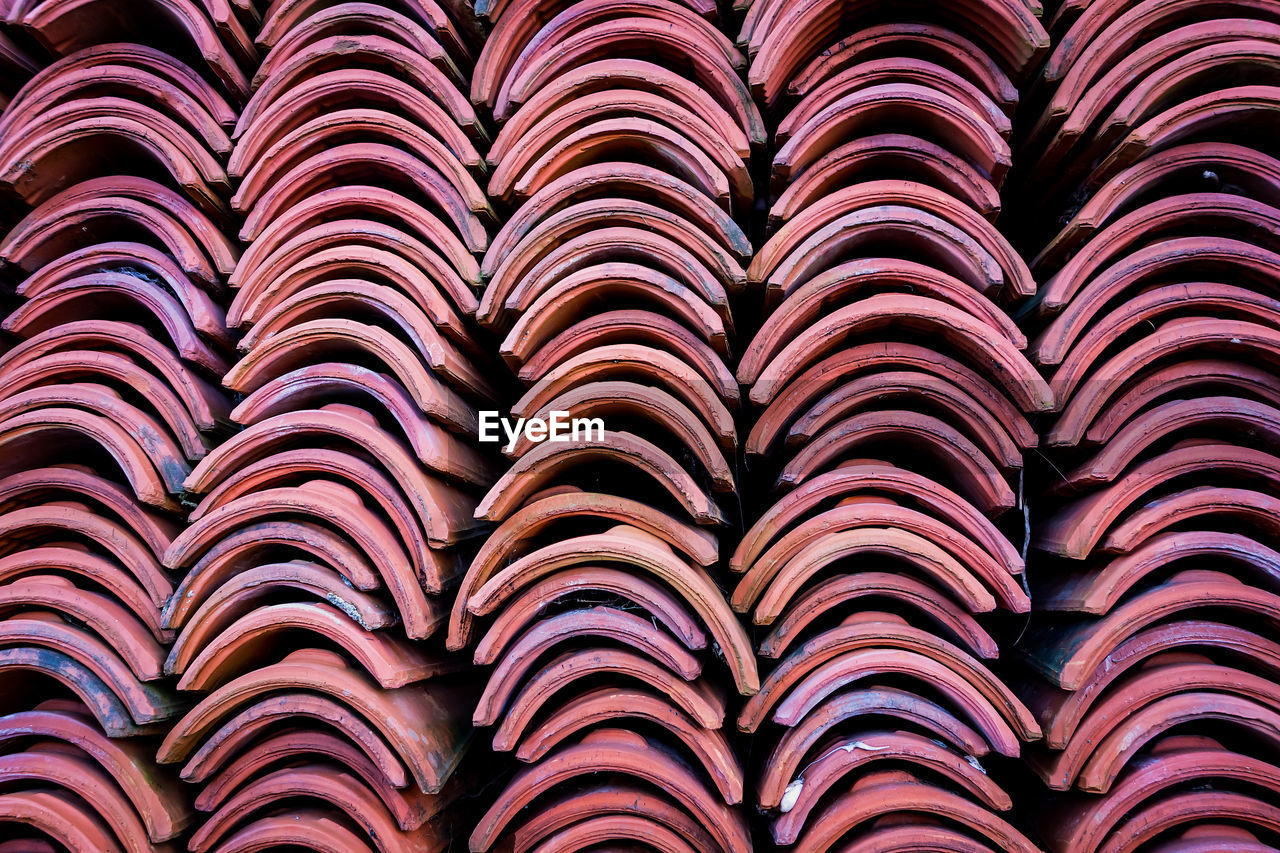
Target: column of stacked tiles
(892, 407)
(319, 557)
(1156, 673)
(610, 649)
(115, 151)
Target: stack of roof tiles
(885, 546)
(895, 413)
(1156, 673)
(610, 650)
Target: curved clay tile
(1171, 762)
(900, 107)
(111, 622)
(1078, 329)
(336, 507)
(305, 828)
(929, 316)
(152, 436)
(625, 754)
(444, 511)
(347, 89)
(206, 403)
(1190, 120)
(60, 817)
(47, 637)
(875, 156)
(77, 563)
(616, 829)
(701, 701)
(40, 164)
(1132, 708)
(606, 623)
(337, 257)
(645, 553)
(602, 214)
(1096, 426)
(254, 162)
(1194, 809)
(680, 283)
(138, 81)
(45, 765)
(834, 385)
(149, 790)
(1184, 73)
(621, 400)
(853, 478)
(110, 711)
(656, 600)
(1060, 711)
(1080, 527)
(417, 721)
(60, 225)
(617, 797)
(808, 297)
(347, 19)
(1104, 585)
(972, 471)
(838, 591)
(290, 746)
(784, 691)
(887, 518)
(853, 754)
(357, 243)
(369, 53)
(900, 793)
(29, 436)
(106, 294)
(650, 31)
(1177, 338)
(1082, 645)
(421, 367)
(915, 390)
(541, 465)
(740, 128)
(373, 488)
(27, 487)
(771, 588)
(1221, 417)
(235, 739)
(554, 508)
(343, 792)
(287, 16)
(315, 385)
(253, 547)
(249, 589)
(452, 192)
(66, 26)
(206, 316)
(607, 704)
(787, 759)
(781, 35)
(907, 38)
(667, 340)
(620, 180)
(346, 297)
(888, 192)
(642, 139)
(206, 660)
(154, 62)
(1235, 164)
